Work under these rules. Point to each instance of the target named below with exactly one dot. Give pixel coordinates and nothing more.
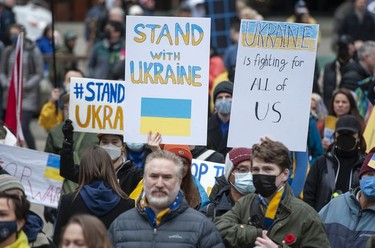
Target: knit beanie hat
(234, 157)
(224, 86)
(10, 182)
(368, 164)
(180, 151)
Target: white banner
(37, 171)
(205, 172)
(273, 83)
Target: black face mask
(264, 184)
(7, 228)
(346, 142)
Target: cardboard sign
(166, 74)
(97, 105)
(273, 83)
(37, 171)
(329, 128)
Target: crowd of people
(122, 194)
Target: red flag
(14, 104)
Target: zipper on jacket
(154, 237)
(357, 221)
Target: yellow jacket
(48, 118)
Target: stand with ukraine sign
(166, 78)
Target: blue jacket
(180, 227)
(346, 224)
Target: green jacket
(293, 217)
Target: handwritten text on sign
(97, 105)
(167, 74)
(38, 175)
(273, 83)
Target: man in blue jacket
(162, 217)
(349, 218)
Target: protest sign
(97, 105)
(205, 172)
(369, 133)
(166, 74)
(37, 171)
(329, 128)
(273, 83)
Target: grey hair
(366, 48)
(168, 156)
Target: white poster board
(166, 75)
(273, 83)
(97, 105)
(205, 172)
(37, 171)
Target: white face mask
(113, 151)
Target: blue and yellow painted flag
(52, 170)
(166, 116)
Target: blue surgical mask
(223, 106)
(243, 183)
(368, 186)
(136, 147)
(7, 228)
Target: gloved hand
(50, 214)
(67, 130)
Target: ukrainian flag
(52, 170)
(166, 116)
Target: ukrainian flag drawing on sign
(166, 116)
(52, 170)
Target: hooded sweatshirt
(99, 198)
(33, 230)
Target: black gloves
(67, 130)
(50, 214)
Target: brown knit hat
(369, 163)
(10, 182)
(234, 157)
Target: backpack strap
(205, 155)
(331, 175)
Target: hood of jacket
(99, 197)
(353, 203)
(34, 225)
